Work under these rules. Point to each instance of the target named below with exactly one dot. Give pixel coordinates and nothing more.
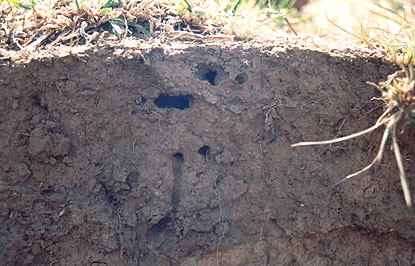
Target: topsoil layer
(179, 154)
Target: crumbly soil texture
(139, 153)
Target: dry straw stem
(396, 40)
(61, 22)
(83, 21)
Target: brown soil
(179, 154)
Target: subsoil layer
(179, 154)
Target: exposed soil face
(180, 154)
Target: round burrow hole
(241, 78)
(204, 150)
(178, 156)
(211, 74)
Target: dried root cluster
(399, 92)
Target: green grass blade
(140, 28)
(108, 4)
(389, 10)
(19, 4)
(105, 11)
(116, 29)
(32, 4)
(187, 6)
(386, 17)
(235, 7)
(24, 6)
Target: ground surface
(179, 154)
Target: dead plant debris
(27, 25)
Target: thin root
(404, 183)
(379, 155)
(383, 115)
(390, 129)
(358, 134)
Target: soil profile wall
(180, 155)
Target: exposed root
(358, 134)
(378, 157)
(404, 182)
(390, 129)
(222, 222)
(383, 115)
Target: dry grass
(75, 22)
(53, 22)
(396, 39)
